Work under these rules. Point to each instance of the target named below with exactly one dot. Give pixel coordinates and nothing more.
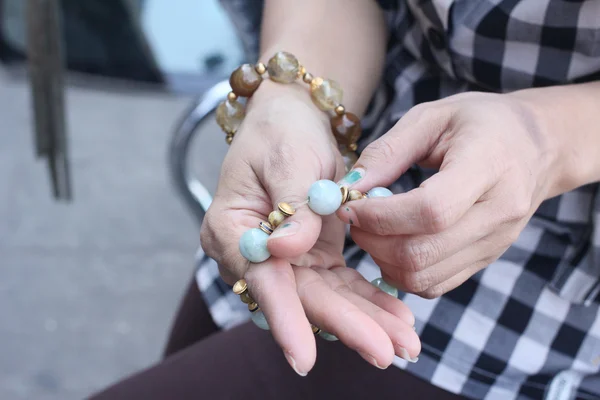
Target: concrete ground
(88, 289)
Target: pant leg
(246, 363)
(192, 322)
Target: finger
(418, 252)
(286, 182)
(454, 281)
(481, 252)
(409, 141)
(433, 207)
(404, 339)
(332, 312)
(272, 285)
(365, 289)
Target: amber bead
(276, 218)
(283, 67)
(346, 128)
(245, 80)
(349, 157)
(230, 115)
(326, 93)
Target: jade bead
(259, 320)
(328, 336)
(384, 286)
(253, 245)
(379, 192)
(324, 197)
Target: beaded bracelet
(283, 67)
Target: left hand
(496, 165)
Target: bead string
(284, 67)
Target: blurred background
(88, 287)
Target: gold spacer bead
(345, 192)
(365, 196)
(353, 146)
(340, 110)
(286, 209)
(260, 68)
(245, 297)
(229, 138)
(252, 307)
(301, 71)
(355, 195)
(276, 218)
(307, 77)
(240, 287)
(315, 329)
(265, 227)
(231, 96)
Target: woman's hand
(496, 163)
(283, 146)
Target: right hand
(283, 146)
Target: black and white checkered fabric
(527, 326)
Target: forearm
(343, 40)
(569, 116)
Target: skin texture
(499, 157)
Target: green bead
(328, 336)
(384, 286)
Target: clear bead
(230, 115)
(283, 67)
(326, 93)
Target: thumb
(408, 142)
(296, 234)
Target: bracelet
(284, 67)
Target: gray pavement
(88, 289)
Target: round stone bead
(384, 286)
(230, 115)
(245, 80)
(253, 245)
(379, 192)
(283, 67)
(276, 218)
(259, 320)
(328, 336)
(326, 93)
(324, 197)
(346, 128)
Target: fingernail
(405, 356)
(352, 177)
(370, 359)
(286, 229)
(292, 363)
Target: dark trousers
(202, 362)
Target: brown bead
(350, 158)
(346, 128)
(230, 115)
(245, 80)
(276, 218)
(355, 195)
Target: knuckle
(436, 213)
(418, 254)
(417, 282)
(432, 292)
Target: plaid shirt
(527, 326)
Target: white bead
(379, 192)
(324, 197)
(253, 245)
